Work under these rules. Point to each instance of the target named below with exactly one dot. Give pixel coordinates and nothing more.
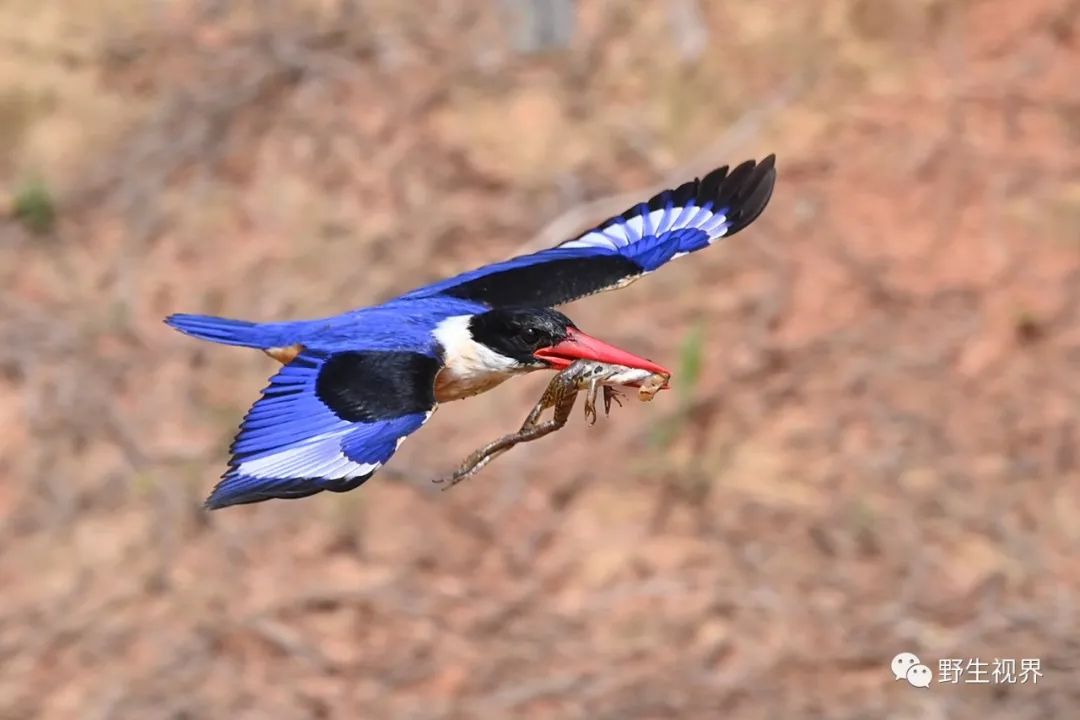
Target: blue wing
(671, 224)
(319, 426)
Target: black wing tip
(221, 498)
(745, 191)
(227, 494)
(215, 503)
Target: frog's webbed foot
(611, 395)
(590, 401)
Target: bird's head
(524, 339)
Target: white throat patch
(470, 367)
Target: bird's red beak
(579, 346)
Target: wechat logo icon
(907, 666)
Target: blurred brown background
(873, 446)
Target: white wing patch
(626, 232)
(319, 456)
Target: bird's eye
(530, 335)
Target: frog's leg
(561, 394)
(611, 394)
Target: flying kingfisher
(355, 385)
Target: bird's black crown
(519, 332)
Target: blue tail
(226, 331)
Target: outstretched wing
(327, 421)
(671, 224)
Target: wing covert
(327, 421)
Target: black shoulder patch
(548, 283)
(369, 385)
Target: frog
(590, 376)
